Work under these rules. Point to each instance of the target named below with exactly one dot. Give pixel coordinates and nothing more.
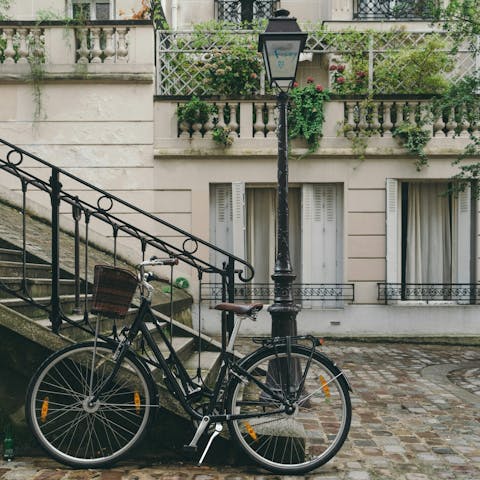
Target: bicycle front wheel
(307, 435)
(63, 418)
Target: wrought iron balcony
(392, 10)
(237, 11)
(464, 293)
(308, 294)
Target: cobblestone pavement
(415, 417)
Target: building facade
(378, 245)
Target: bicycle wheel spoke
(89, 433)
(309, 431)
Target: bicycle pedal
(189, 449)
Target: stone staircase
(26, 337)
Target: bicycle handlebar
(158, 261)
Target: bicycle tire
(75, 433)
(309, 436)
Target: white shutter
(238, 219)
(221, 220)
(319, 234)
(461, 251)
(392, 241)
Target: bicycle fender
(299, 348)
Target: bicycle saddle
(240, 308)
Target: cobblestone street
(415, 417)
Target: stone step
(11, 255)
(15, 269)
(34, 311)
(209, 366)
(36, 287)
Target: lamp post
(281, 45)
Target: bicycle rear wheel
(316, 427)
(67, 426)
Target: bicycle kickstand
(216, 432)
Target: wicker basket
(113, 290)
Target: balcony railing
(392, 10)
(237, 11)
(463, 293)
(94, 42)
(182, 56)
(319, 295)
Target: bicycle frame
(183, 388)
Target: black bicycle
(286, 404)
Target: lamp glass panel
(282, 58)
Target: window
(428, 240)
(90, 9)
(393, 10)
(243, 221)
(238, 11)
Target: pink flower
(341, 68)
(319, 88)
(253, 75)
(340, 80)
(295, 84)
(309, 79)
(332, 68)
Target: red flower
(361, 74)
(341, 68)
(340, 80)
(319, 88)
(309, 79)
(332, 68)
(253, 75)
(295, 84)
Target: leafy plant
(306, 114)
(221, 135)
(416, 69)
(195, 111)
(414, 139)
(4, 7)
(233, 70)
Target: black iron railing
(393, 10)
(466, 293)
(237, 11)
(315, 294)
(95, 210)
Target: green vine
(306, 113)
(414, 138)
(221, 135)
(4, 7)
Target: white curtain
(429, 234)
(261, 231)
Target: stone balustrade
(107, 42)
(244, 119)
(19, 44)
(381, 117)
(254, 122)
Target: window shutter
(392, 241)
(238, 219)
(462, 251)
(221, 224)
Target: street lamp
(281, 45)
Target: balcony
(94, 50)
(455, 293)
(392, 10)
(238, 11)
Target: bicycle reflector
(136, 400)
(44, 410)
(251, 431)
(325, 387)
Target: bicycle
(286, 404)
